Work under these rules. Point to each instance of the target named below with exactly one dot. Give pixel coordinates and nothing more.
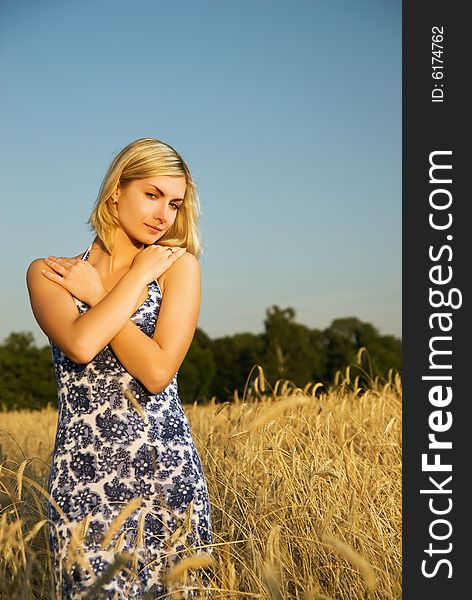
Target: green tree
(292, 350)
(27, 378)
(234, 357)
(196, 373)
(344, 338)
(285, 350)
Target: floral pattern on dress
(106, 454)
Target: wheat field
(305, 491)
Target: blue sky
(287, 113)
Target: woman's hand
(155, 260)
(77, 276)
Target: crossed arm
(153, 361)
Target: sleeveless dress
(107, 452)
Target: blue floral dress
(109, 451)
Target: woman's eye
(173, 204)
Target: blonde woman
(120, 319)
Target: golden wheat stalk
(277, 408)
(19, 476)
(271, 580)
(35, 529)
(132, 505)
(196, 561)
(119, 561)
(129, 394)
(75, 548)
(356, 560)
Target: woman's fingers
(56, 265)
(174, 256)
(63, 260)
(178, 253)
(53, 277)
(171, 256)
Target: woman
(120, 319)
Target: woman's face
(147, 208)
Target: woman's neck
(121, 258)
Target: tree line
(217, 367)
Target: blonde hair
(148, 157)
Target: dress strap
(87, 252)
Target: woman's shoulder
(37, 264)
(182, 268)
(185, 263)
(41, 260)
(33, 272)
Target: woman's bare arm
(81, 337)
(154, 361)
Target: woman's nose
(161, 212)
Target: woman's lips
(153, 229)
